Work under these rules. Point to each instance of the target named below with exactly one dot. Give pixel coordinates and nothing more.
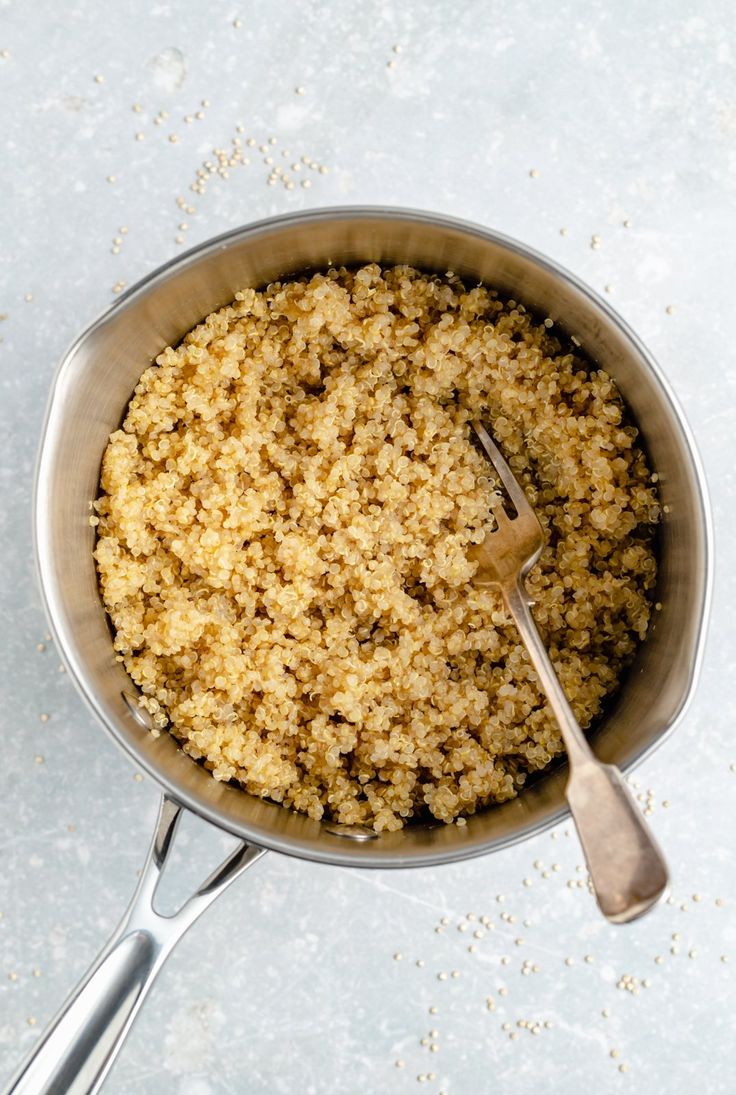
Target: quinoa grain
(284, 522)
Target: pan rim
(328, 854)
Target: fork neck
(576, 744)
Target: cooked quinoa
(284, 522)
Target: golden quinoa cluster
(284, 523)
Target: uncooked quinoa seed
(284, 522)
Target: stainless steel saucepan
(88, 400)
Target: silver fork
(626, 866)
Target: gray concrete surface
(531, 118)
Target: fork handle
(626, 866)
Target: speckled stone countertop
(600, 134)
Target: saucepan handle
(76, 1051)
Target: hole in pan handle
(77, 1049)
